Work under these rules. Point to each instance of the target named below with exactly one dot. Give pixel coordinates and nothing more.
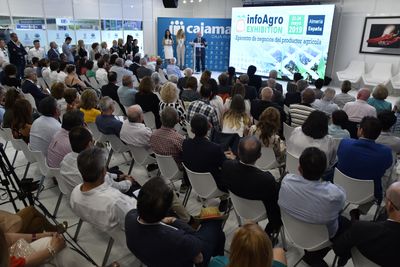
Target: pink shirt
(58, 148)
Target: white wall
(350, 30)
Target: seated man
(377, 241)
(133, 131)
(300, 112)
(259, 105)
(200, 154)
(360, 108)
(29, 86)
(106, 121)
(311, 200)
(325, 104)
(46, 126)
(94, 200)
(388, 119)
(157, 240)
(365, 160)
(245, 180)
(127, 92)
(59, 145)
(173, 69)
(80, 139)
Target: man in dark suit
(251, 92)
(17, 52)
(29, 86)
(201, 44)
(377, 241)
(53, 54)
(143, 70)
(245, 180)
(254, 80)
(273, 74)
(259, 105)
(200, 154)
(111, 88)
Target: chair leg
(78, 229)
(187, 195)
(123, 155)
(283, 237)
(298, 261)
(238, 218)
(40, 186)
(108, 251)
(15, 157)
(131, 166)
(334, 261)
(5, 145)
(378, 209)
(26, 170)
(57, 205)
(109, 157)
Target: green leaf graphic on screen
(321, 68)
(296, 24)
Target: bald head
(393, 196)
(135, 114)
(266, 94)
(363, 94)
(249, 150)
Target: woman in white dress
(180, 48)
(168, 43)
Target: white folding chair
(395, 80)
(149, 120)
(141, 156)
(168, 168)
(95, 132)
(203, 184)
(353, 72)
(267, 160)
(22, 146)
(31, 100)
(117, 146)
(117, 110)
(359, 260)
(310, 237)
(380, 74)
(246, 209)
(93, 82)
(292, 164)
(358, 191)
(6, 135)
(287, 131)
(84, 79)
(42, 83)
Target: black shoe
(355, 215)
(152, 167)
(223, 205)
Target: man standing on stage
(17, 54)
(200, 45)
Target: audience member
(53, 54)
(259, 105)
(143, 70)
(250, 91)
(273, 74)
(101, 74)
(155, 77)
(359, 109)
(310, 200)
(127, 92)
(170, 98)
(378, 101)
(46, 126)
(12, 96)
(326, 104)
(72, 98)
(300, 112)
(90, 72)
(319, 83)
(57, 91)
(215, 100)
(245, 180)
(189, 92)
(111, 89)
(232, 76)
(277, 96)
(224, 88)
(2, 103)
(133, 131)
(88, 105)
(205, 77)
(292, 85)
(53, 75)
(104, 51)
(339, 124)
(29, 86)
(173, 69)
(235, 119)
(147, 100)
(72, 79)
(95, 49)
(388, 119)
(364, 159)
(157, 240)
(10, 77)
(22, 120)
(17, 53)
(254, 80)
(121, 72)
(36, 51)
(342, 98)
(106, 122)
(238, 88)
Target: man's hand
(229, 155)
(127, 177)
(169, 220)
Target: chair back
(359, 260)
(292, 164)
(31, 100)
(383, 71)
(117, 110)
(42, 83)
(356, 67)
(305, 235)
(95, 132)
(203, 184)
(116, 143)
(357, 191)
(21, 145)
(6, 134)
(149, 120)
(253, 210)
(167, 166)
(267, 160)
(140, 155)
(287, 131)
(94, 83)
(44, 168)
(84, 79)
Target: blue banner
(217, 33)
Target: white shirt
(218, 104)
(359, 109)
(72, 177)
(46, 74)
(4, 57)
(328, 107)
(120, 71)
(101, 76)
(136, 134)
(42, 132)
(39, 53)
(298, 141)
(104, 207)
(53, 77)
(61, 77)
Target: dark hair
(92, 164)
(199, 125)
(297, 76)
(57, 90)
(251, 70)
(12, 95)
(231, 71)
(165, 34)
(316, 125)
(42, 63)
(387, 119)
(112, 76)
(97, 56)
(191, 83)
(205, 91)
(371, 127)
(54, 65)
(146, 85)
(100, 63)
(136, 59)
(79, 138)
(94, 45)
(68, 38)
(154, 200)
(319, 83)
(48, 106)
(113, 58)
(71, 119)
(214, 87)
(89, 64)
(249, 149)
(36, 41)
(223, 79)
(10, 69)
(70, 68)
(70, 95)
(238, 88)
(312, 163)
(22, 114)
(339, 117)
(35, 60)
(346, 86)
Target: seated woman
(189, 92)
(10, 76)
(57, 91)
(88, 106)
(169, 98)
(378, 101)
(147, 100)
(235, 120)
(267, 131)
(89, 66)
(340, 121)
(72, 98)
(238, 88)
(12, 96)
(22, 120)
(215, 100)
(251, 247)
(72, 79)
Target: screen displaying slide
(288, 39)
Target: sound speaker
(170, 3)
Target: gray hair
(143, 61)
(188, 72)
(92, 164)
(169, 117)
(105, 103)
(271, 83)
(244, 78)
(156, 78)
(173, 78)
(28, 72)
(172, 60)
(119, 62)
(273, 74)
(329, 94)
(301, 85)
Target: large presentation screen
(288, 39)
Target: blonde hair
(180, 34)
(380, 92)
(169, 93)
(89, 99)
(268, 124)
(236, 113)
(250, 247)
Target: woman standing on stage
(168, 43)
(180, 48)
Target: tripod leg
(15, 157)
(78, 229)
(57, 205)
(5, 146)
(40, 186)
(26, 170)
(109, 157)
